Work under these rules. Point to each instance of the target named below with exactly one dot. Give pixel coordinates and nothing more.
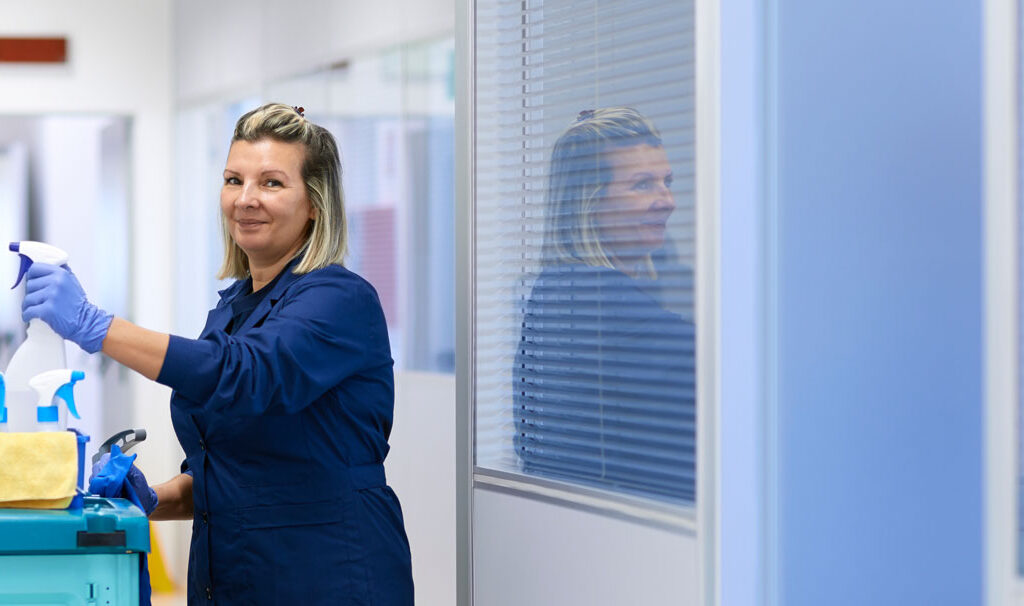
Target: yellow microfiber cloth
(38, 470)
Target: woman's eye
(643, 185)
(231, 181)
(273, 183)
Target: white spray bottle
(53, 387)
(41, 351)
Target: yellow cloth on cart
(38, 470)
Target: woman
(604, 386)
(284, 404)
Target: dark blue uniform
(605, 384)
(284, 419)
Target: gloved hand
(115, 475)
(54, 295)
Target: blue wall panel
(879, 292)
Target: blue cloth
(54, 295)
(284, 425)
(115, 476)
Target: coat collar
(220, 316)
(288, 276)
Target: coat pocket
(303, 553)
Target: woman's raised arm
(137, 348)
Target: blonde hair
(579, 175)
(326, 240)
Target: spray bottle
(54, 387)
(3, 407)
(41, 351)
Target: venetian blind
(585, 371)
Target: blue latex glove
(54, 295)
(116, 476)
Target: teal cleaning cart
(81, 557)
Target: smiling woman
(283, 155)
(266, 208)
(284, 403)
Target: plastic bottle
(41, 351)
(52, 388)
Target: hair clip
(585, 115)
(299, 110)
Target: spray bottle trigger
(25, 264)
(30, 252)
(67, 392)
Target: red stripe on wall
(33, 50)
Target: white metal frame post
(1003, 585)
(465, 28)
(708, 101)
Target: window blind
(584, 363)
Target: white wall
(236, 46)
(545, 554)
(421, 470)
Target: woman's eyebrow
(642, 175)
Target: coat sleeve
(324, 332)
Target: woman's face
(637, 203)
(264, 201)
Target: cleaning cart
(85, 553)
(88, 556)
(58, 545)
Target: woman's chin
(249, 242)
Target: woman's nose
(246, 197)
(665, 201)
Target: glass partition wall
(585, 248)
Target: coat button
(202, 445)
(206, 518)
(209, 593)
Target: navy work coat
(604, 384)
(285, 424)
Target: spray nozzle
(36, 252)
(55, 384)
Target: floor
(169, 599)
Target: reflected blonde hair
(580, 174)
(326, 239)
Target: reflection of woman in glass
(604, 375)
